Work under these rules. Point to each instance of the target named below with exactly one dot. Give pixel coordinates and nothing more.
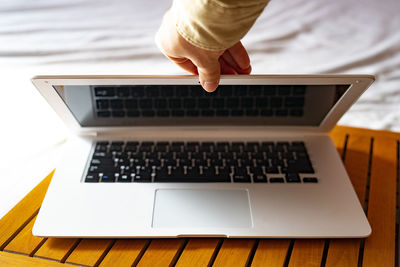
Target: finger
(209, 74)
(185, 64)
(239, 55)
(226, 68)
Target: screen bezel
(358, 84)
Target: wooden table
(371, 158)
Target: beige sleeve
(215, 24)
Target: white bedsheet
(116, 37)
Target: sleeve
(215, 24)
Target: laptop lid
(306, 103)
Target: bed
(117, 37)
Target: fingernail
(210, 86)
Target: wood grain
(271, 252)
(234, 252)
(344, 252)
(15, 260)
(380, 246)
(161, 252)
(89, 251)
(23, 212)
(25, 242)
(56, 248)
(124, 252)
(198, 252)
(307, 252)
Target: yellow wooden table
(371, 158)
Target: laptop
(157, 156)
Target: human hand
(209, 65)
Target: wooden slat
(198, 252)
(11, 259)
(271, 252)
(56, 248)
(89, 251)
(234, 252)
(124, 252)
(161, 252)
(25, 242)
(20, 215)
(380, 246)
(344, 252)
(307, 252)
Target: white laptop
(157, 156)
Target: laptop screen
(244, 105)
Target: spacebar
(192, 179)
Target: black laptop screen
(153, 105)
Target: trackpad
(201, 208)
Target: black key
(196, 91)
(247, 102)
(104, 91)
(142, 177)
(116, 104)
(192, 113)
(182, 91)
(299, 89)
(175, 103)
(292, 178)
(189, 103)
(151, 91)
(146, 103)
(131, 103)
(133, 113)
(102, 143)
(240, 90)
(284, 89)
(272, 169)
(148, 113)
(262, 102)
(178, 113)
(296, 112)
(137, 91)
(237, 112)
(252, 112)
(310, 180)
(269, 90)
(102, 104)
(276, 180)
(124, 178)
(207, 113)
(167, 91)
(163, 113)
(107, 177)
(225, 90)
(101, 148)
(255, 90)
(132, 143)
(91, 178)
(103, 114)
(260, 178)
(118, 113)
(204, 103)
(241, 178)
(267, 112)
(281, 112)
(276, 102)
(123, 91)
(117, 143)
(218, 103)
(160, 103)
(294, 101)
(232, 102)
(222, 113)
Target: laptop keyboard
(191, 101)
(198, 162)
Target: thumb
(209, 75)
